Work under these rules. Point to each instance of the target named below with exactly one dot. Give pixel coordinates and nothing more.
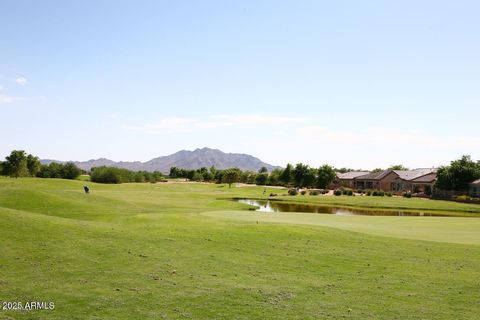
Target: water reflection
(280, 206)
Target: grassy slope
(441, 229)
(145, 251)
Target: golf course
(181, 250)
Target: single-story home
(347, 179)
(415, 181)
(474, 188)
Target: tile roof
(374, 175)
(430, 177)
(408, 175)
(413, 174)
(351, 175)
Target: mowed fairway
(184, 251)
(443, 229)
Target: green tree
(263, 170)
(190, 174)
(245, 176)
(458, 175)
(111, 175)
(286, 176)
(70, 171)
(310, 177)
(156, 176)
(197, 176)
(16, 164)
(261, 179)
(206, 175)
(33, 165)
(325, 176)
(52, 170)
(300, 172)
(213, 172)
(377, 170)
(139, 177)
(230, 176)
(178, 173)
(273, 177)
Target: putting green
(440, 229)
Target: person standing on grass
(86, 189)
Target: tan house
(415, 181)
(347, 179)
(474, 188)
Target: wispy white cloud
(21, 81)
(188, 124)
(309, 131)
(6, 99)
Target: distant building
(415, 181)
(347, 179)
(474, 188)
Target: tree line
(455, 177)
(300, 176)
(20, 164)
(118, 175)
(458, 175)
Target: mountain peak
(198, 158)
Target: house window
(360, 184)
(369, 185)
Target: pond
(280, 206)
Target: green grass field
(185, 251)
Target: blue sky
(358, 84)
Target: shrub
(292, 192)
(360, 191)
(381, 193)
(110, 175)
(197, 176)
(273, 194)
(388, 194)
(314, 193)
(324, 191)
(66, 170)
(375, 193)
(407, 195)
(369, 192)
(303, 192)
(118, 175)
(138, 177)
(349, 192)
(337, 192)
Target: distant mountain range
(196, 159)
